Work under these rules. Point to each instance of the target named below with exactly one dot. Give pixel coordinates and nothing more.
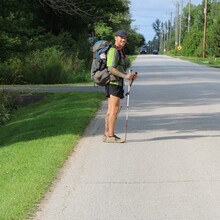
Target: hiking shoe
(104, 138)
(113, 139)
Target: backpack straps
(121, 54)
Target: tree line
(49, 41)
(186, 31)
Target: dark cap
(121, 33)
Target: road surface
(169, 169)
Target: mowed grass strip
(35, 144)
(212, 62)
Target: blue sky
(145, 12)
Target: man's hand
(131, 76)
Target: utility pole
(176, 24)
(180, 22)
(161, 41)
(164, 36)
(204, 35)
(170, 25)
(189, 16)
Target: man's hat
(121, 33)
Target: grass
(132, 57)
(35, 144)
(210, 61)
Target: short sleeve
(112, 58)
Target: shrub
(48, 66)
(7, 105)
(4, 115)
(212, 60)
(45, 67)
(64, 40)
(80, 71)
(192, 44)
(10, 71)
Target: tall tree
(157, 26)
(213, 31)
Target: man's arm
(112, 62)
(116, 72)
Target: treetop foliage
(49, 41)
(168, 37)
(26, 24)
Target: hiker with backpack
(114, 89)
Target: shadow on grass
(66, 113)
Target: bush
(173, 52)
(48, 66)
(212, 60)
(80, 71)
(81, 77)
(45, 67)
(192, 44)
(10, 71)
(64, 40)
(7, 105)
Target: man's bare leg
(113, 108)
(106, 122)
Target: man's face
(120, 41)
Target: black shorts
(114, 90)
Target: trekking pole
(128, 97)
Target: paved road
(169, 169)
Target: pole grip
(132, 79)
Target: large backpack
(99, 71)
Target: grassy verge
(35, 144)
(210, 61)
(132, 57)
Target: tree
(16, 19)
(157, 26)
(86, 9)
(213, 31)
(81, 8)
(27, 25)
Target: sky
(145, 12)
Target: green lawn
(35, 144)
(213, 62)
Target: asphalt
(169, 168)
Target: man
(115, 88)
